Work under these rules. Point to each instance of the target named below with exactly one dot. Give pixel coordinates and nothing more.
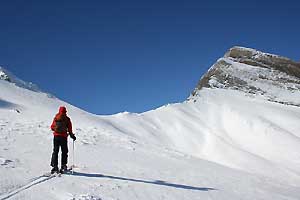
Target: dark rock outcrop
(257, 58)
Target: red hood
(62, 110)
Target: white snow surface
(226, 145)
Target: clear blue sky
(113, 56)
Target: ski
(50, 175)
(66, 171)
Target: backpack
(61, 125)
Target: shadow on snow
(6, 104)
(156, 182)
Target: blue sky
(112, 56)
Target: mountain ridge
(6, 75)
(254, 73)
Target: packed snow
(225, 145)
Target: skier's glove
(73, 136)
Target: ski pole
(73, 158)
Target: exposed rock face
(257, 58)
(251, 71)
(4, 76)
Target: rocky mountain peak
(254, 72)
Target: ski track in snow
(30, 184)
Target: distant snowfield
(226, 145)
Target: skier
(61, 126)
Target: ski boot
(54, 170)
(63, 169)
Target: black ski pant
(63, 143)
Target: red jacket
(62, 113)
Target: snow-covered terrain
(236, 137)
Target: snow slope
(222, 143)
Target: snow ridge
(10, 77)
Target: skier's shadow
(156, 182)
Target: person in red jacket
(61, 127)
